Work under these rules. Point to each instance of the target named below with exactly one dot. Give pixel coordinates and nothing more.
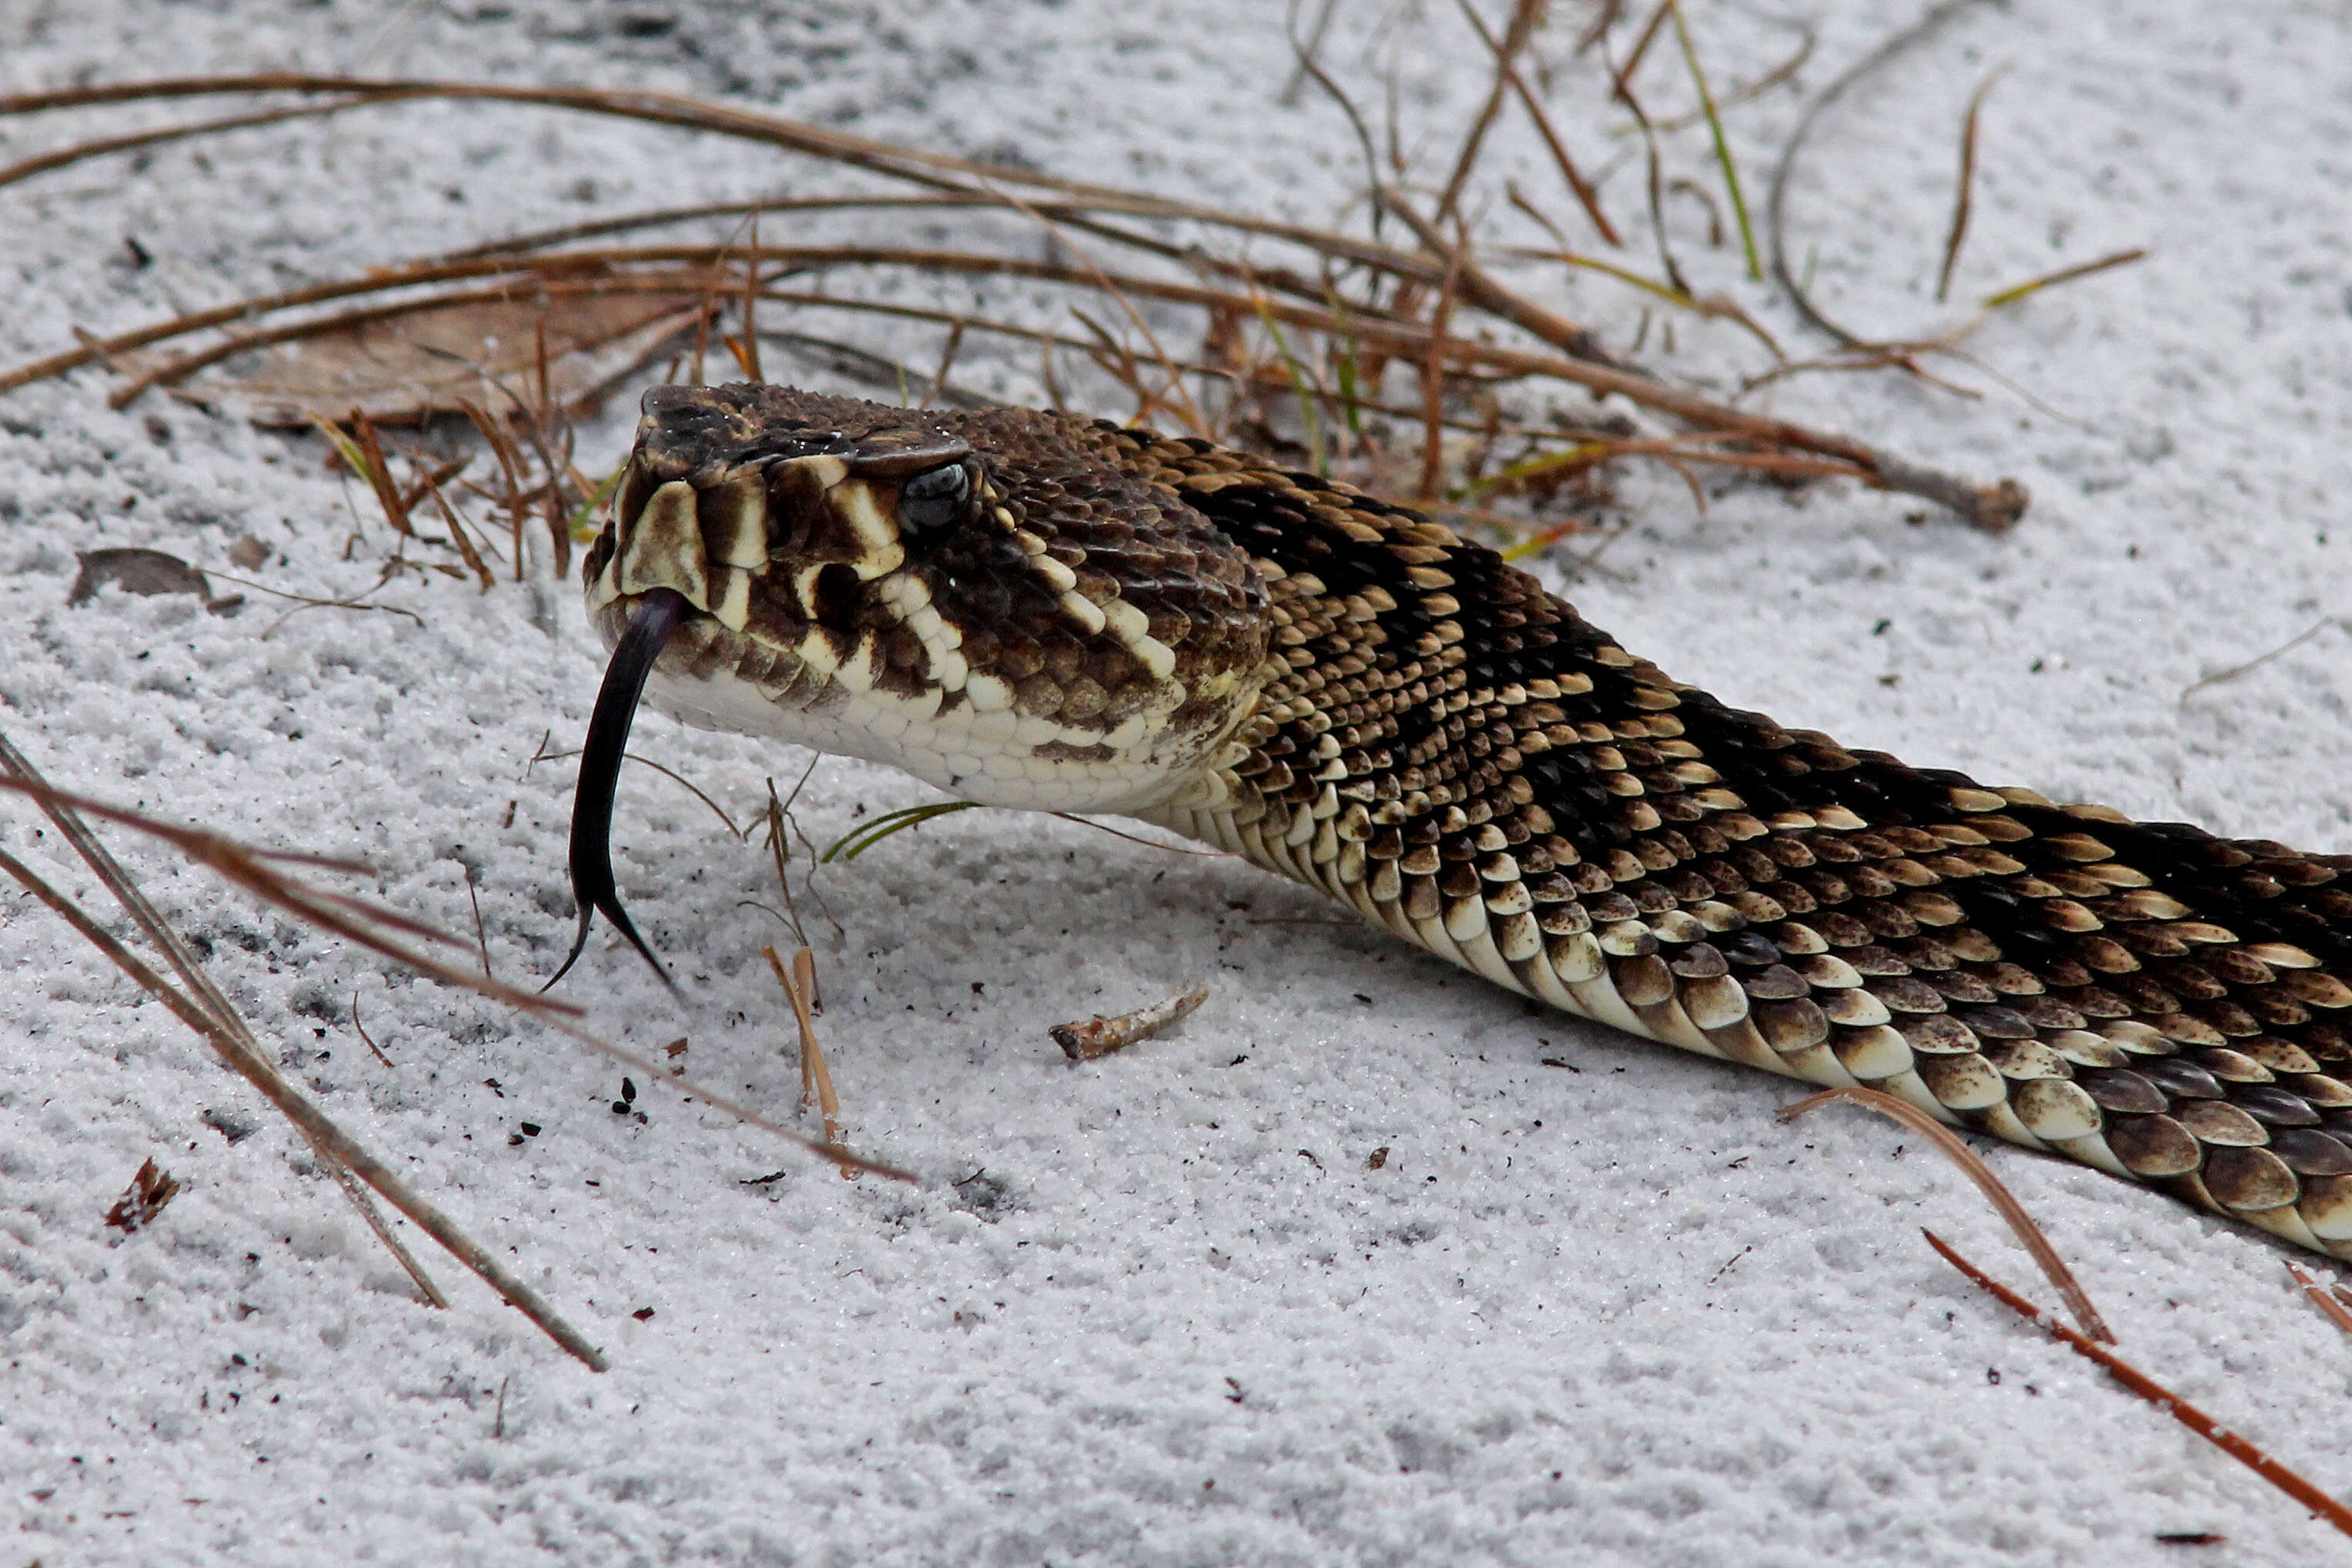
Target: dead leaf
(248, 554)
(148, 571)
(405, 368)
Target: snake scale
(1035, 610)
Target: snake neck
(1456, 754)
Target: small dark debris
(514, 1140)
(1562, 1061)
(1880, 630)
(492, 1085)
(2189, 1538)
(1992, 1375)
(675, 1049)
(1361, 997)
(629, 1092)
(248, 554)
(1377, 1158)
(979, 989)
(530, 1129)
(620, 1107)
(228, 1124)
(1236, 1396)
(1238, 1061)
(141, 256)
(642, 1314)
(148, 1191)
(765, 1180)
(146, 572)
(986, 1196)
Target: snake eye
(934, 498)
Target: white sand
(1614, 1315)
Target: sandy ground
(1605, 1311)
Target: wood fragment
(143, 1199)
(2155, 1393)
(1100, 1035)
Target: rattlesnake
(1036, 610)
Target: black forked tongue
(657, 615)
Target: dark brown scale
(1987, 927)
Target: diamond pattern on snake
(1036, 610)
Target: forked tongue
(657, 614)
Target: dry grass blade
(816, 1077)
(2033, 286)
(358, 921)
(1776, 201)
(204, 994)
(1525, 15)
(314, 1124)
(1964, 192)
(740, 833)
(2155, 1393)
(2234, 671)
(1586, 197)
(2329, 1303)
(2053, 1266)
(362, 450)
(1722, 145)
(1580, 360)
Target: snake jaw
(656, 615)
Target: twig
(201, 991)
(481, 941)
(2077, 1301)
(2155, 1393)
(1100, 1036)
(1506, 62)
(1525, 14)
(1991, 507)
(362, 923)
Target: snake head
(987, 601)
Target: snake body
(1035, 610)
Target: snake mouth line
(657, 614)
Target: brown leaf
(407, 367)
(148, 571)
